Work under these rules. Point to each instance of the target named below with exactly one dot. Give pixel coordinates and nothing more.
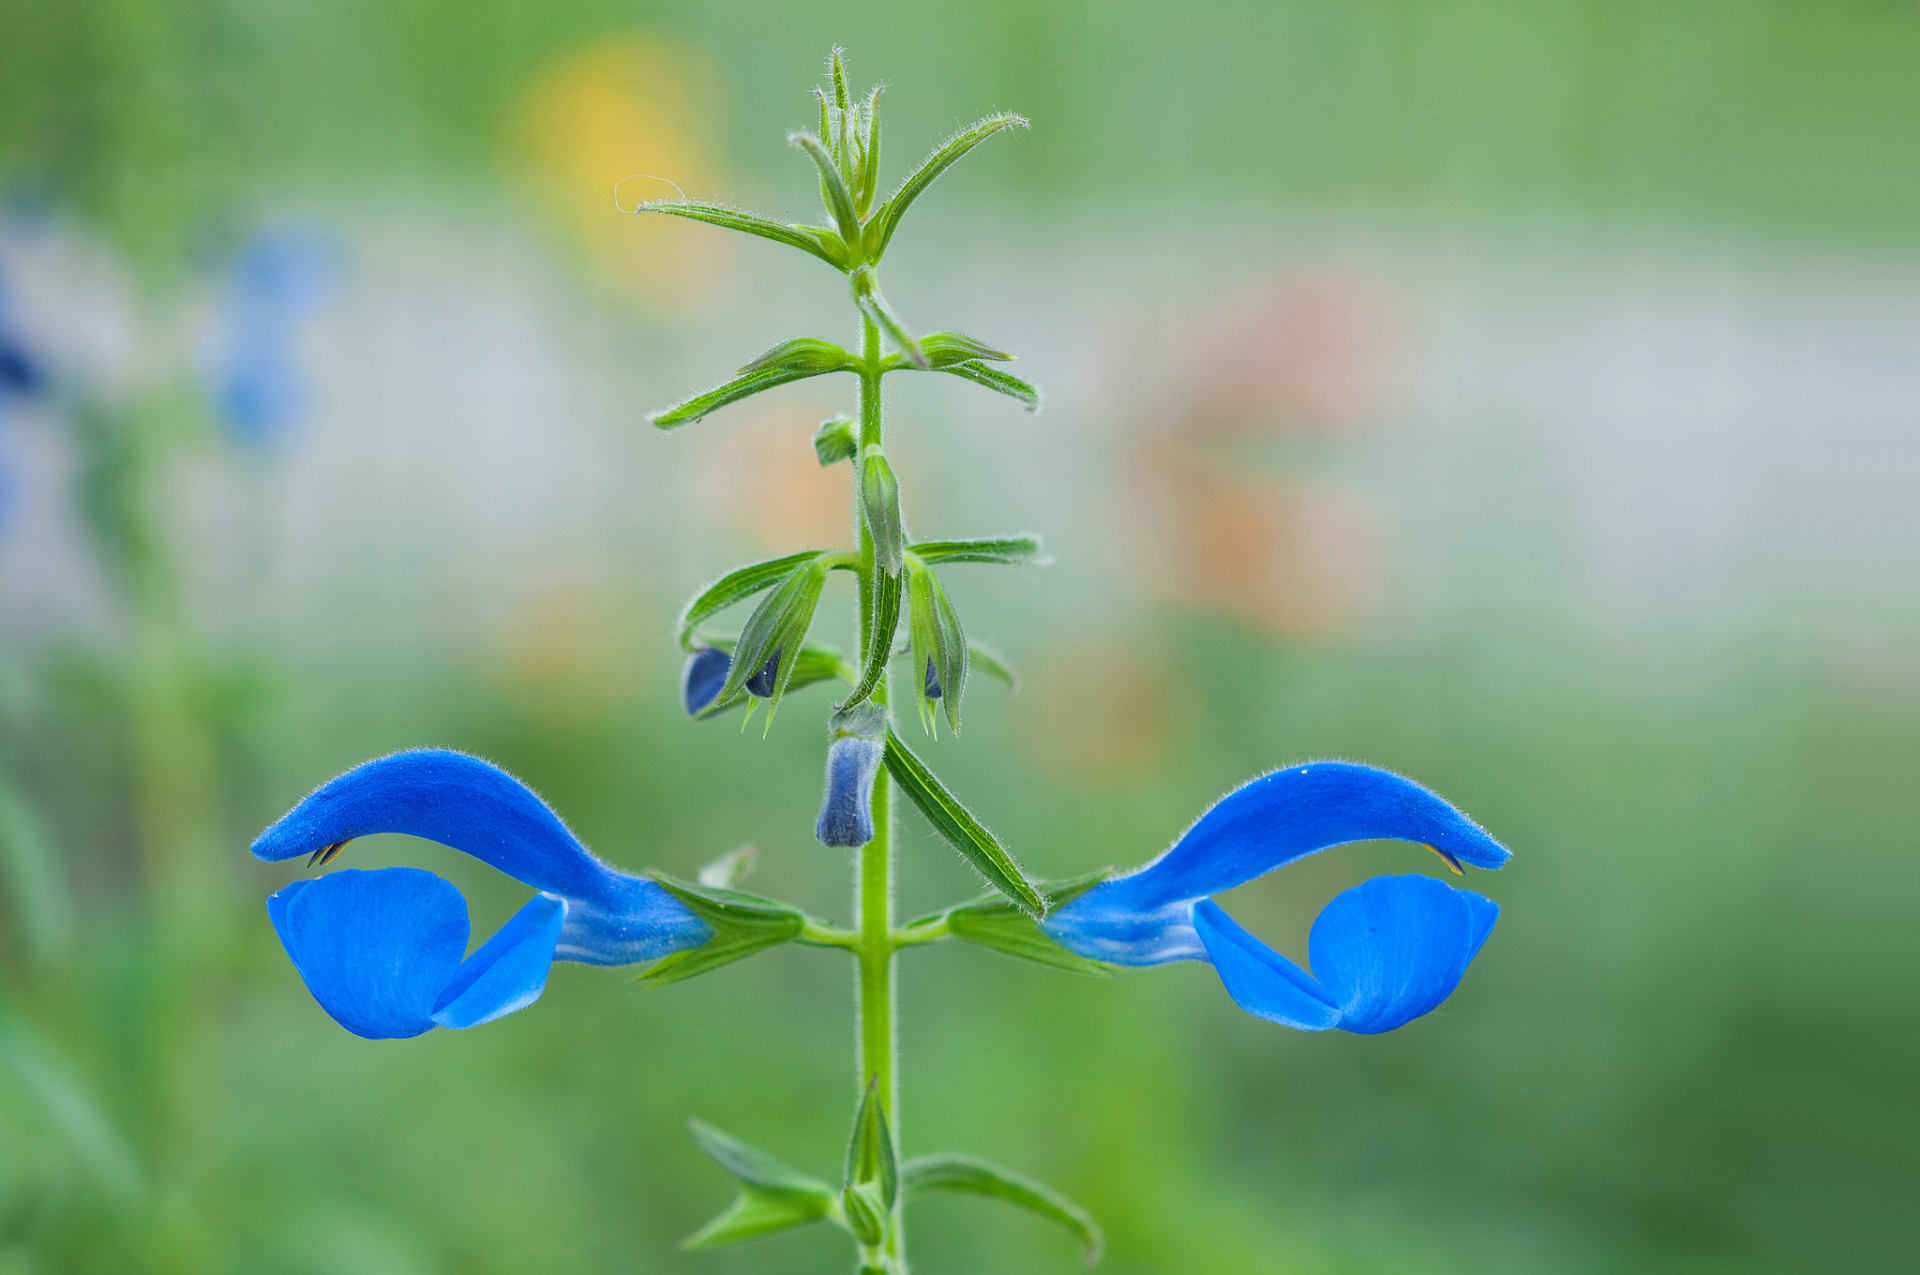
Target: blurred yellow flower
(633, 112)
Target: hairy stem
(876, 1048)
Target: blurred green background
(1521, 397)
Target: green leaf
(836, 440)
(988, 661)
(950, 653)
(727, 392)
(880, 510)
(946, 348)
(774, 1196)
(833, 185)
(1000, 382)
(866, 295)
(957, 824)
(804, 238)
(881, 627)
(971, 1175)
(805, 354)
(742, 925)
(737, 586)
(880, 229)
(870, 1159)
(31, 869)
(69, 1107)
(777, 627)
(995, 923)
(1007, 550)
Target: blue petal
(375, 948)
(1393, 949)
(706, 673)
(509, 971)
(1260, 980)
(1144, 918)
(846, 815)
(612, 918)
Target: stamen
(324, 855)
(1452, 862)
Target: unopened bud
(705, 674)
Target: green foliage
(737, 586)
(994, 922)
(837, 440)
(743, 924)
(776, 631)
(773, 1197)
(970, 1175)
(1006, 550)
(962, 831)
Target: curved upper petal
(375, 948)
(508, 971)
(1144, 918)
(612, 917)
(1392, 949)
(1260, 980)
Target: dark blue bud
(933, 682)
(763, 682)
(706, 674)
(846, 816)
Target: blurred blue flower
(382, 950)
(276, 286)
(1382, 953)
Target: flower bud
(763, 682)
(853, 761)
(706, 673)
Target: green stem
(876, 1047)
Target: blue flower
(1382, 953)
(858, 746)
(276, 286)
(383, 951)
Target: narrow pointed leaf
(747, 223)
(971, 1175)
(881, 627)
(875, 308)
(742, 924)
(737, 586)
(957, 824)
(32, 879)
(870, 1160)
(728, 392)
(1007, 550)
(805, 354)
(887, 220)
(995, 923)
(996, 380)
(947, 348)
(774, 1196)
(880, 510)
(838, 198)
(989, 661)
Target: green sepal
(962, 831)
(869, 181)
(880, 510)
(731, 868)
(833, 185)
(944, 349)
(971, 1175)
(742, 924)
(880, 227)
(949, 652)
(736, 586)
(727, 392)
(836, 440)
(1013, 551)
(990, 662)
(870, 1157)
(806, 354)
(994, 379)
(774, 1196)
(805, 238)
(882, 624)
(866, 1218)
(995, 923)
(818, 662)
(866, 295)
(777, 626)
